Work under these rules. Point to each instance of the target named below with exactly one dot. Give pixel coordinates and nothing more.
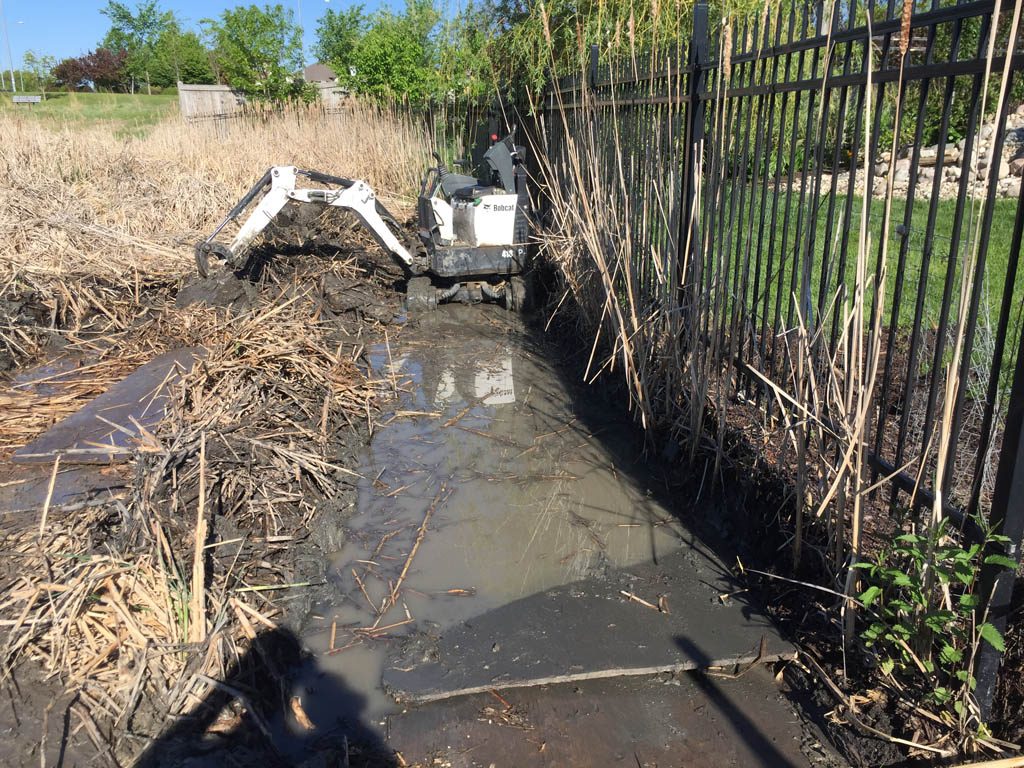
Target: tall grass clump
(83, 201)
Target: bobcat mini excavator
(472, 231)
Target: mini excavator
(473, 230)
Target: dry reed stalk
(81, 208)
(197, 606)
(396, 589)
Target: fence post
(1006, 517)
(592, 71)
(698, 55)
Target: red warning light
(494, 137)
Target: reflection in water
(518, 495)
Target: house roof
(319, 73)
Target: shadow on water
(255, 714)
(692, 494)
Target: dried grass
(112, 601)
(140, 604)
(91, 224)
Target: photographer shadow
(257, 716)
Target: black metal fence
(751, 172)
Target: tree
(72, 73)
(337, 35)
(464, 65)
(137, 34)
(102, 68)
(40, 67)
(396, 57)
(258, 51)
(106, 68)
(180, 57)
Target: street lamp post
(7, 37)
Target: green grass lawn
(125, 113)
(791, 237)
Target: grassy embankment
(126, 113)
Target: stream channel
(492, 477)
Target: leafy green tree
(41, 69)
(180, 57)
(464, 64)
(396, 57)
(337, 35)
(137, 34)
(412, 55)
(259, 51)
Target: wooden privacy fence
(221, 102)
(762, 249)
(209, 102)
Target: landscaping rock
(929, 156)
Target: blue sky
(65, 28)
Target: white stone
(902, 175)
(1013, 188)
(1004, 169)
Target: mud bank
(130, 599)
(492, 484)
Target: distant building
(319, 74)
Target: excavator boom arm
(355, 196)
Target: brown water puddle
(521, 494)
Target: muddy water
(488, 482)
